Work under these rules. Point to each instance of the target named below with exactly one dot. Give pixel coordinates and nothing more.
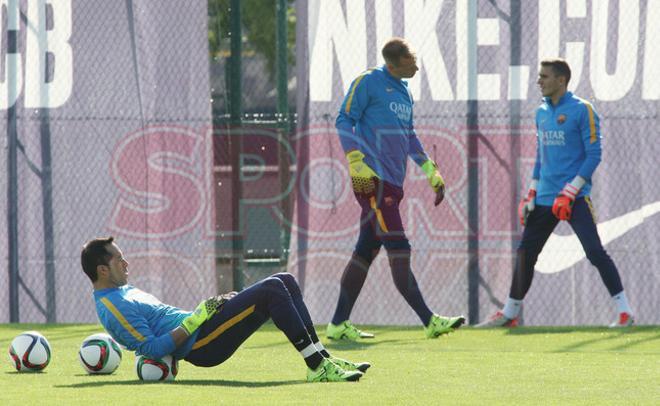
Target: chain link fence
(252, 134)
(475, 97)
(131, 135)
(137, 126)
(106, 115)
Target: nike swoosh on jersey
(563, 251)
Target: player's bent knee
(286, 277)
(289, 281)
(273, 287)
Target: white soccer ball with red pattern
(30, 351)
(99, 354)
(162, 369)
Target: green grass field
(529, 365)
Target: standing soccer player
(567, 154)
(218, 326)
(375, 126)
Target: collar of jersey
(567, 96)
(103, 292)
(389, 75)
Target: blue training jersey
(140, 322)
(376, 118)
(568, 144)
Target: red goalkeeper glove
(527, 204)
(562, 208)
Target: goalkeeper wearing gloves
(375, 126)
(219, 325)
(568, 152)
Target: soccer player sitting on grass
(218, 326)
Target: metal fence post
(235, 111)
(473, 167)
(283, 127)
(12, 157)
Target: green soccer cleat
(328, 371)
(351, 366)
(345, 331)
(440, 325)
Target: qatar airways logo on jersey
(552, 138)
(402, 111)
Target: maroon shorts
(380, 218)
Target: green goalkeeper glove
(361, 174)
(204, 311)
(435, 180)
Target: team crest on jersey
(561, 119)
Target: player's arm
(528, 203)
(179, 336)
(536, 173)
(428, 166)
(589, 128)
(123, 320)
(590, 133)
(355, 102)
(352, 108)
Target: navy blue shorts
(222, 334)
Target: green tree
(259, 29)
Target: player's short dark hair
(95, 253)
(559, 67)
(395, 49)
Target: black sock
(304, 345)
(315, 339)
(283, 312)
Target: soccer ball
(162, 369)
(30, 351)
(99, 354)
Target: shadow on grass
(606, 334)
(574, 329)
(344, 345)
(637, 342)
(191, 382)
(340, 345)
